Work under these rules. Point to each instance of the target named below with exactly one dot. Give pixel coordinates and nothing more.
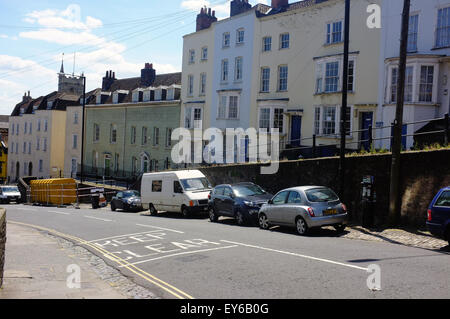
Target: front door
(366, 121)
(296, 128)
(107, 166)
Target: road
(194, 258)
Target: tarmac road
(194, 258)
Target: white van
(183, 191)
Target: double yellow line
(141, 273)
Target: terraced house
(129, 123)
(280, 67)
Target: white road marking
(126, 235)
(178, 254)
(172, 230)
(56, 212)
(30, 209)
(105, 220)
(297, 255)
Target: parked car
(241, 201)
(304, 207)
(184, 191)
(9, 193)
(127, 200)
(438, 214)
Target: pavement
(175, 257)
(36, 268)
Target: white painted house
(428, 66)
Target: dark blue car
(438, 214)
(241, 201)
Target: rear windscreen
(444, 199)
(321, 195)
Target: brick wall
(2, 242)
(423, 174)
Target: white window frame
(264, 79)
(267, 47)
(190, 112)
(272, 118)
(204, 56)
(413, 34)
(224, 71)
(436, 42)
(240, 40)
(288, 40)
(190, 89)
(74, 141)
(191, 56)
(238, 68)
(329, 33)
(279, 89)
(202, 86)
(226, 39)
(223, 111)
(319, 131)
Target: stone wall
(2, 242)
(423, 174)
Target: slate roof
(129, 84)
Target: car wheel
(153, 210)
(240, 219)
(212, 215)
(263, 221)
(301, 226)
(113, 207)
(339, 228)
(185, 212)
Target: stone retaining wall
(423, 173)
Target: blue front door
(296, 128)
(366, 121)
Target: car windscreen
(444, 199)
(193, 184)
(248, 190)
(321, 195)
(10, 189)
(130, 194)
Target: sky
(98, 35)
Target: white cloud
(3, 36)
(70, 18)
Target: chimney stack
(148, 75)
(26, 97)
(108, 80)
(278, 4)
(205, 18)
(239, 6)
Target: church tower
(67, 83)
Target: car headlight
(251, 204)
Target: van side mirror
(270, 201)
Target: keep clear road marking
(297, 255)
(105, 220)
(178, 254)
(56, 212)
(172, 230)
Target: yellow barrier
(57, 191)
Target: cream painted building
(298, 82)
(73, 142)
(38, 132)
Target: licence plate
(328, 212)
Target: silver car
(304, 207)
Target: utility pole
(82, 127)
(344, 99)
(394, 190)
